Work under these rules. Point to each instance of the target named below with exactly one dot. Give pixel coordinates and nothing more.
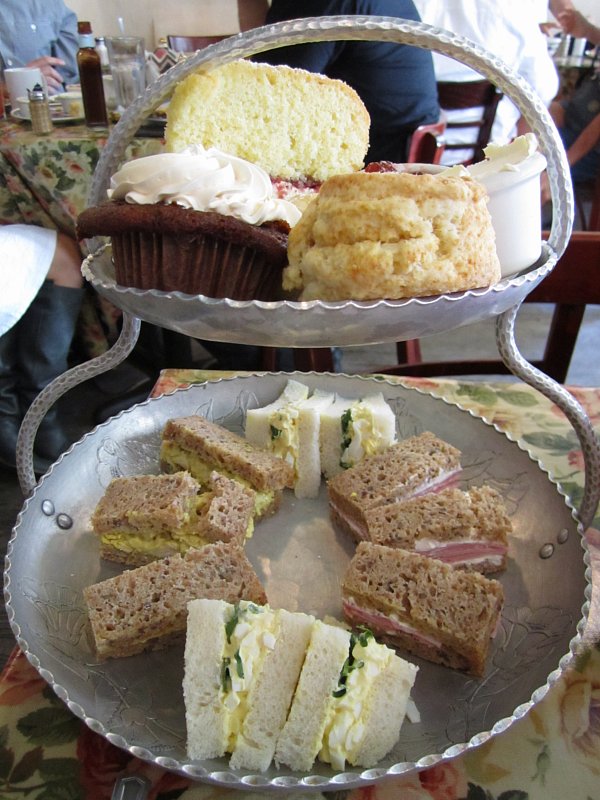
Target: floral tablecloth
(45, 180)
(551, 754)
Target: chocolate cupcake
(198, 222)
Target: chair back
(427, 143)
(189, 44)
(454, 96)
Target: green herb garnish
(346, 423)
(275, 432)
(239, 667)
(351, 663)
(232, 622)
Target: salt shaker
(39, 110)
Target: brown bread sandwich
(146, 608)
(202, 447)
(410, 467)
(468, 529)
(145, 517)
(423, 606)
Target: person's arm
(66, 46)
(574, 23)
(586, 141)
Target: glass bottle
(90, 78)
(103, 53)
(39, 110)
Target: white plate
(57, 119)
(137, 702)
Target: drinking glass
(126, 55)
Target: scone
(373, 235)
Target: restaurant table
(45, 180)
(552, 753)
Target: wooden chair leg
(562, 337)
(409, 352)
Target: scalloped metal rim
(525, 276)
(345, 780)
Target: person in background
(510, 30)
(41, 289)
(40, 33)
(575, 24)
(395, 82)
(577, 117)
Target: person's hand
(573, 22)
(54, 80)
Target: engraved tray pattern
(137, 702)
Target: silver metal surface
(315, 323)
(137, 702)
(131, 787)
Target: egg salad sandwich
(146, 608)
(242, 663)
(407, 468)
(468, 529)
(146, 517)
(202, 447)
(423, 606)
(289, 428)
(352, 429)
(350, 702)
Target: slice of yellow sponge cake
(292, 123)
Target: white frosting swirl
(203, 180)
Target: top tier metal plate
(316, 323)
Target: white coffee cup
(20, 79)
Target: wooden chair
(189, 44)
(427, 143)
(573, 283)
(470, 94)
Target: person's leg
(10, 411)
(45, 333)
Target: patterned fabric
(551, 754)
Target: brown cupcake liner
(194, 264)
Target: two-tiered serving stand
(145, 718)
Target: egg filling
(177, 458)
(250, 633)
(361, 435)
(344, 730)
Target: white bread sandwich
(146, 608)
(423, 606)
(242, 663)
(201, 447)
(352, 429)
(146, 517)
(468, 529)
(408, 468)
(289, 428)
(349, 704)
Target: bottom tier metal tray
(137, 702)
